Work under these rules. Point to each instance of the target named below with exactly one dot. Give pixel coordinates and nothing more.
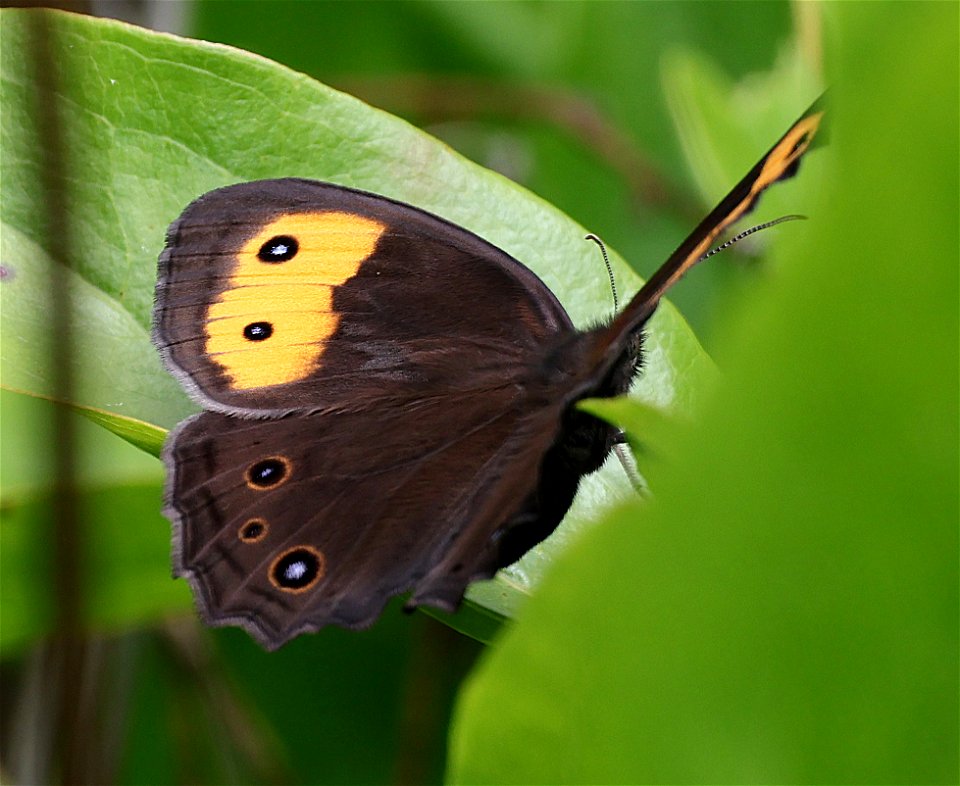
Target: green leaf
(785, 610)
(126, 566)
(648, 430)
(721, 124)
(125, 557)
(150, 122)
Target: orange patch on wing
(294, 297)
(793, 145)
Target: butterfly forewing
(291, 295)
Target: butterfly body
(390, 404)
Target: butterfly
(389, 400)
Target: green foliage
(783, 609)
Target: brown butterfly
(391, 400)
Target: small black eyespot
(253, 531)
(268, 473)
(258, 331)
(278, 249)
(297, 569)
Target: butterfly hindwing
(291, 524)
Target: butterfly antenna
(606, 261)
(747, 232)
(780, 162)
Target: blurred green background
(792, 619)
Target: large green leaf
(786, 611)
(150, 122)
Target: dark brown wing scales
(288, 525)
(291, 295)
